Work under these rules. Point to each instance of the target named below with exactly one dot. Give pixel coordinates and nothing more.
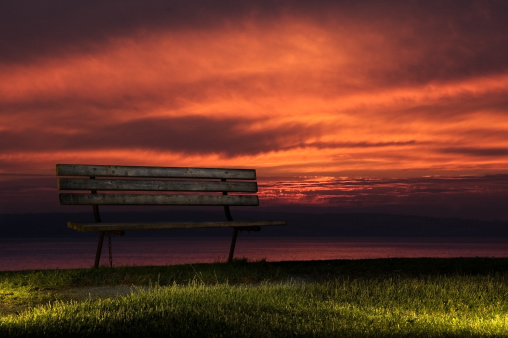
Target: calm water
(20, 254)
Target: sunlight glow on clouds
(105, 97)
(289, 88)
(464, 197)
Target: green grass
(462, 297)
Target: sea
(68, 253)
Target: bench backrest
(134, 185)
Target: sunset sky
(337, 103)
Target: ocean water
(63, 253)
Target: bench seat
(245, 225)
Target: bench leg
(99, 250)
(233, 243)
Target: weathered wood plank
(155, 185)
(156, 226)
(196, 181)
(157, 199)
(166, 172)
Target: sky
(397, 106)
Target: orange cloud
(356, 99)
(301, 92)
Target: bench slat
(163, 172)
(153, 199)
(154, 226)
(155, 185)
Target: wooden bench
(97, 185)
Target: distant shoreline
(307, 224)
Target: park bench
(99, 185)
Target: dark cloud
(31, 29)
(322, 145)
(477, 151)
(461, 40)
(190, 135)
(427, 40)
(453, 107)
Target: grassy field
(424, 297)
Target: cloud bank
(339, 88)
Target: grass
(424, 297)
